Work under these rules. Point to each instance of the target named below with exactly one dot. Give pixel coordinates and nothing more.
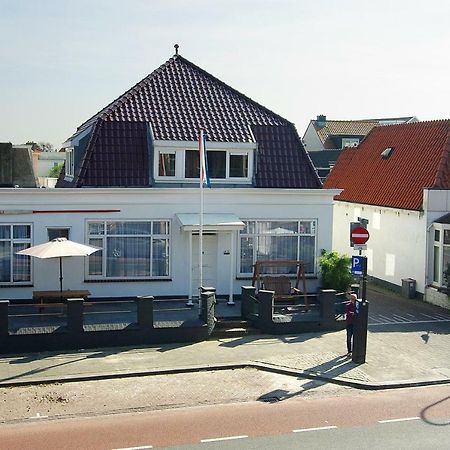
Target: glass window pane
(128, 257)
(21, 264)
(96, 258)
(22, 231)
(437, 235)
(5, 231)
(278, 247)
(247, 255)
(277, 227)
(446, 237)
(160, 258)
(307, 252)
(96, 228)
(239, 166)
(217, 164)
(446, 266)
(249, 227)
(161, 227)
(166, 165)
(191, 164)
(128, 228)
(54, 233)
(436, 261)
(5, 261)
(306, 227)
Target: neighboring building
(399, 179)
(16, 166)
(324, 139)
(131, 187)
(44, 162)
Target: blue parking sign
(357, 265)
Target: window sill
(16, 285)
(128, 280)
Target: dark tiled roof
(420, 159)
(443, 219)
(179, 98)
(176, 100)
(323, 158)
(117, 156)
(281, 160)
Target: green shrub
(335, 271)
(55, 171)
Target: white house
(398, 178)
(131, 187)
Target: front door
(209, 262)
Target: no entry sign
(359, 235)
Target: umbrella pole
(60, 274)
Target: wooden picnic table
(42, 296)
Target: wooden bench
(281, 286)
(42, 296)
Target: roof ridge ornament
(176, 49)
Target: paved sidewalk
(397, 355)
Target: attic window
(386, 153)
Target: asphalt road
(406, 418)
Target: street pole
(361, 321)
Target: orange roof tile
(420, 159)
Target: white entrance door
(209, 262)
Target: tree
(55, 171)
(335, 271)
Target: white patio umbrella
(59, 248)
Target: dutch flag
(204, 177)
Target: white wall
(311, 139)
(155, 203)
(397, 245)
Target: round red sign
(359, 235)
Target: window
(14, 268)
(135, 249)
(273, 240)
(441, 255)
(70, 163)
(166, 164)
(350, 142)
(238, 165)
(54, 233)
(192, 164)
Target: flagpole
(201, 144)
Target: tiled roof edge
(112, 104)
(443, 171)
(235, 91)
(116, 102)
(88, 153)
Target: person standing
(350, 311)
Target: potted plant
(335, 271)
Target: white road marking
(412, 321)
(401, 318)
(387, 318)
(38, 416)
(145, 447)
(228, 438)
(301, 430)
(403, 419)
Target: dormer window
(350, 142)
(70, 162)
(227, 162)
(386, 153)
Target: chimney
(321, 121)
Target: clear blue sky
(63, 60)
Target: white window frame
(350, 142)
(70, 162)
(152, 236)
(180, 148)
(298, 234)
(13, 241)
(439, 245)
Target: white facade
(401, 241)
(76, 208)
